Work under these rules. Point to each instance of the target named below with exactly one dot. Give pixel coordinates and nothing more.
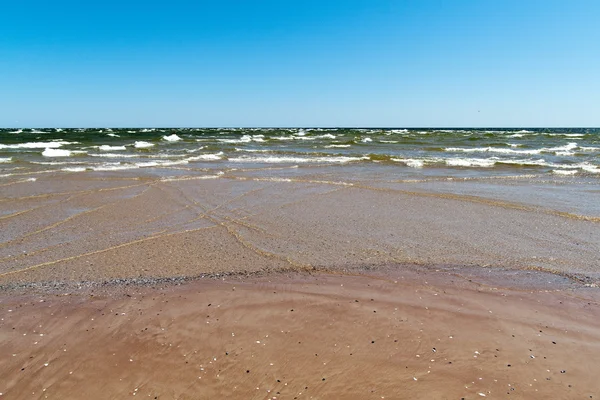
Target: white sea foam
(207, 157)
(17, 131)
(73, 169)
(49, 152)
(172, 138)
(573, 135)
(288, 159)
(410, 162)
(159, 163)
(192, 178)
(283, 137)
(491, 150)
(253, 150)
(594, 169)
(567, 147)
(58, 162)
(243, 139)
(5, 160)
(143, 145)
(106, 147)
(127, 166)
(341, 146)
(36, 145)
(389, 141)
(114, 134)
(367, 140)
(564, 171)
(470, 162)
(326, 136)
(116, 155)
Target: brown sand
(398, 334)
(401, 332)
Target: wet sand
(290, 284)
(393, 334)
(93, 227)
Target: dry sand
(394, 334)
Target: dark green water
(451, 152)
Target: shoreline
(508, 278)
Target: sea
(462, 152)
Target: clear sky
(418, 63)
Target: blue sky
(300, 63)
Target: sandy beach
(394, 334)
(292, 283)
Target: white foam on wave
(253, 150)
(594, 169)
(73, 169)
(326, 136)
(5, 160)
(560, 150)
(160, 163)
(142, 145)
(470, 162)
(288, 159)
(389, 141)
(49, 152)
(398, 131)
(207, 157)
(567, 147)
(116, 155)
(564, 171)
(36, 145)
(17, 131)
(410, 162)
(243, 139)
(172, 138)
(193, 150)
(106, 147)
(341, 146)
(367, 140)
(573, 135)
(491, 150)
(192, 178)
(120, 166)
(114, 134)
(58, 162)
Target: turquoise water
(444, 152)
